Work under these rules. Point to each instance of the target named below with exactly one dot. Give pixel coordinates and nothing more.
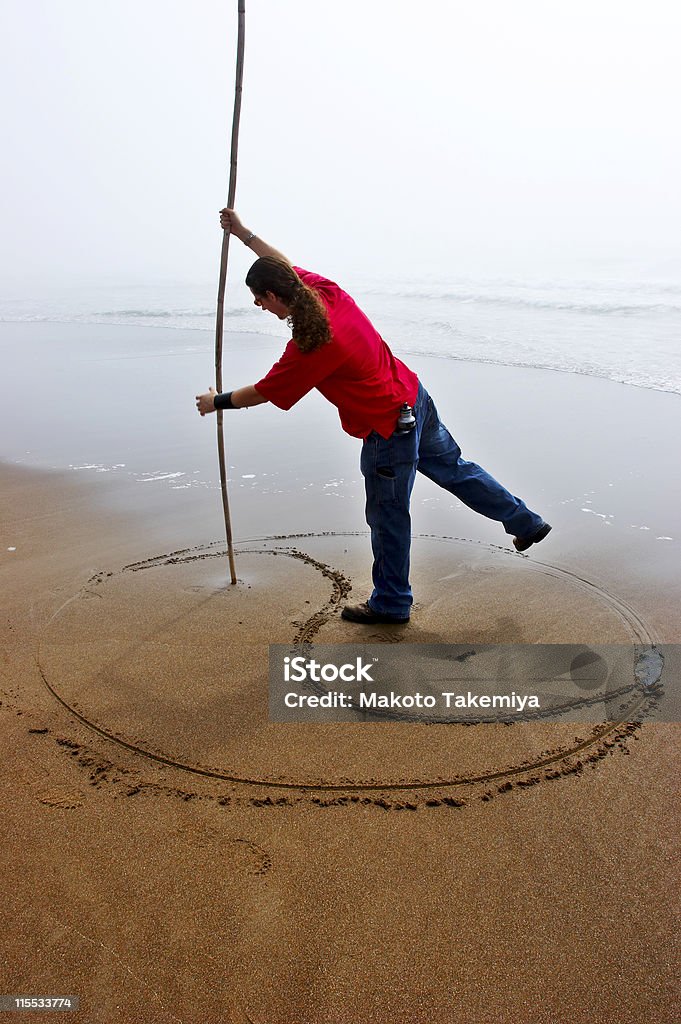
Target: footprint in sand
(385, 638)
(248, 856)
(243, 855)
(64, 799)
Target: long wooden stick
(223, 278)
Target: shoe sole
(523, 545)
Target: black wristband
(224, 401)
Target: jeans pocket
(385, 485)
(378, 470)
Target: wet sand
(170, 855)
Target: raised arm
(231, 222)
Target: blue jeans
(389, 470)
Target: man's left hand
(206, 403)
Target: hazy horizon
(373, 141)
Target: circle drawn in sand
(163, 659)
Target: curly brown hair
(307, 319)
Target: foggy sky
(377, 135)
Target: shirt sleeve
(298, 372)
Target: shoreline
(588, 454)
(402, 353)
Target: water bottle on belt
(406, 420)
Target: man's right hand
(230, 221)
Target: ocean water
(117, 403)
(620, 324)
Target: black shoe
(523, 543)
(367, 616)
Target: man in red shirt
(337, 350)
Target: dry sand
(344, 883)
(170, 855)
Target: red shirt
(356, 370)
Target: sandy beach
(171, 855)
